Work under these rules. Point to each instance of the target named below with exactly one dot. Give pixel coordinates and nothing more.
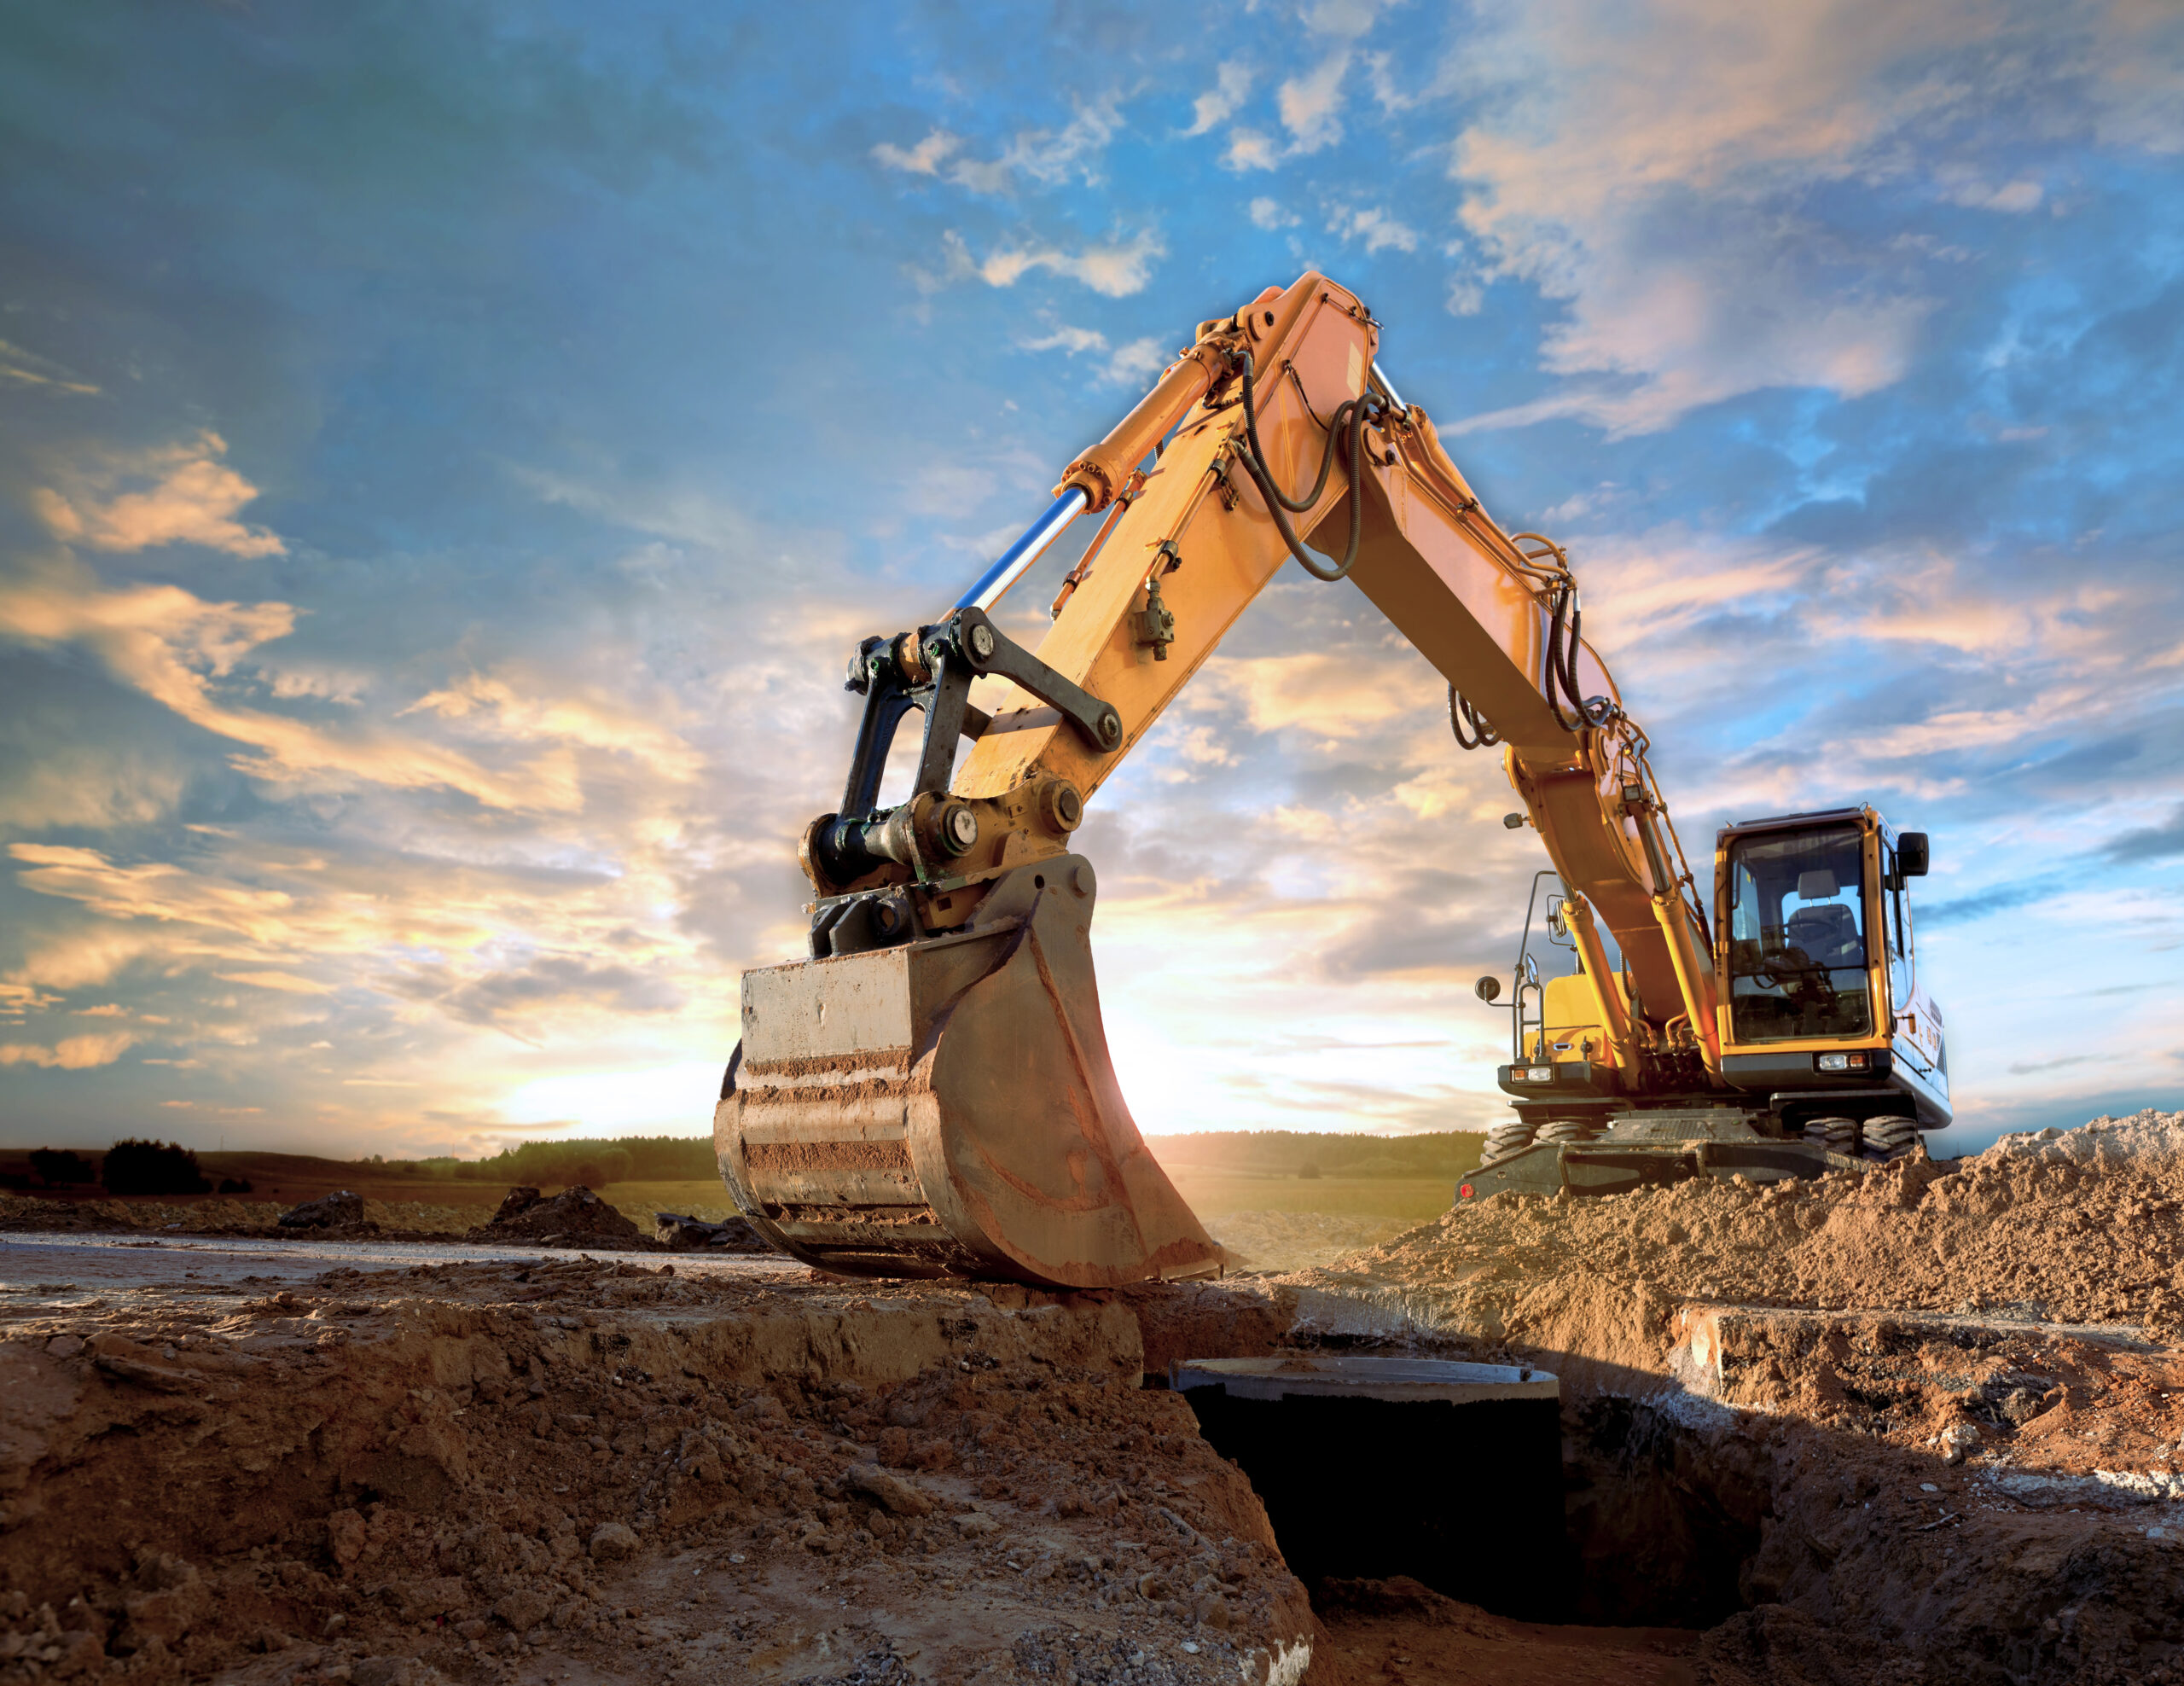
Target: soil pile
(1924, 1423)
(574, 1218)
(2044, 1232)
(486, 1473)
(2149, 1138)
(341, 1210)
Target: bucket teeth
(947, 1107)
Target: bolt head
(982, 642)
(959, 829)
(1111, 728)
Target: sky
(447, 454)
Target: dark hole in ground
(1607, 1514)
(1465, 1498)
(1660, 1526)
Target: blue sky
(446, 453)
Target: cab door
(1917, 1022)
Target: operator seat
(1828, 934)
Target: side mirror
(1488, 989)
(1911, 854)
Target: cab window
(1798, 935)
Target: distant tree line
(593, 1163)
(130, 1166)
(1299, 1153)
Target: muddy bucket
(946, 1107)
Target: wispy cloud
(1116, 270)
(180, 494)
(1232, 83)
(27, 368)
(70, 1053)
(1662, 171)
(1039, 157)
(1373, 227)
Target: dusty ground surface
(1925, 1425)
(1280, 1242)
(230, 1461)
(574, 1218)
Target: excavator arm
(930, 1091)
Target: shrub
(57, 1166)
(235, 1185)
(1308, 1171)
(134, 1167)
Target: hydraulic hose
(1351, 417)
(1565, 622)
(1461, 714)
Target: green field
(1398, 1179)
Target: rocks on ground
(683, 1233)
(339, 1210)
(576, 1215)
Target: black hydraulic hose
(1565, 622)
(1462, 714)
(1350, 415)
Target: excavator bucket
(945, 1107)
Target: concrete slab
(1317, 1375)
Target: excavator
(929, 1093)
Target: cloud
(1116, 270)
(925, 159)
(1965, 909)
(192, 498)
(175, 646)
(1125, 365)
(1138, 361)
(1074, 340)
(1309, 104)
(2014, 197)
(1248, 149)
(1044, 157)
(1667, 173)
(1374, 228)
(285, 982)
(70, 1053)
(1267, 213)
(27, 368)
(2149, 843)
(494, 707)
(510, 998)
(1232, 83)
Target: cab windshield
(1798, 936)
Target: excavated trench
(1659, 1527)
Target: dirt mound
(341, 1209)
(574, 1218)
(2151, 1140)
(1923, 1423)
(2042, 1234)
(513, 1474)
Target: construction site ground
(1915, 1425)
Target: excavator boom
(930, 1091)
